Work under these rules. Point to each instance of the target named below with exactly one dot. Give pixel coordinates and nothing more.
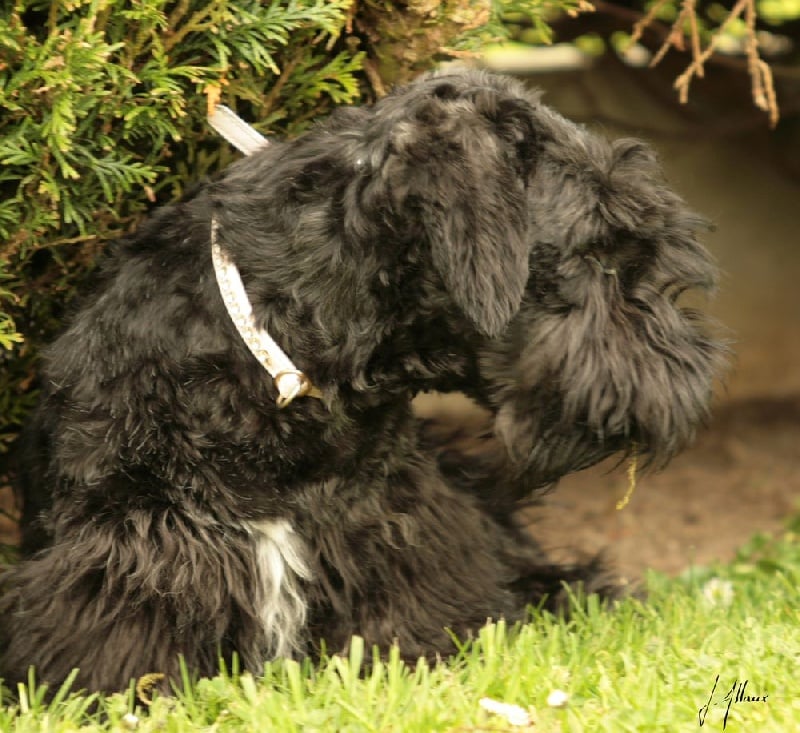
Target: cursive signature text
(735, 694)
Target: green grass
(642, 666)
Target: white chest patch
(280, 560)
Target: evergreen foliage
(103, 115)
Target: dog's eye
(446, 91)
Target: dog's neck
(289, 380)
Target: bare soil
(741, 477)
(8, 530)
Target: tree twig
(761, 76)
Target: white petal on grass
(130, 721)
(557, 699)
(718, 592)
(514, 714)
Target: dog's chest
(281, 567)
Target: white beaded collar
(289, 380)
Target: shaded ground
(8, 533)
(742, 476)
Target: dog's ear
(459, 164)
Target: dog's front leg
(413, 562)
(131, 595)
(474, 461)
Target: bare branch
(762, 82)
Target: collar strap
(289, 380)
(235, 130)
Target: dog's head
(452, 156)
(603, 357)
(392, 231)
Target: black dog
(388, 252)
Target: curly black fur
(454, 236)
